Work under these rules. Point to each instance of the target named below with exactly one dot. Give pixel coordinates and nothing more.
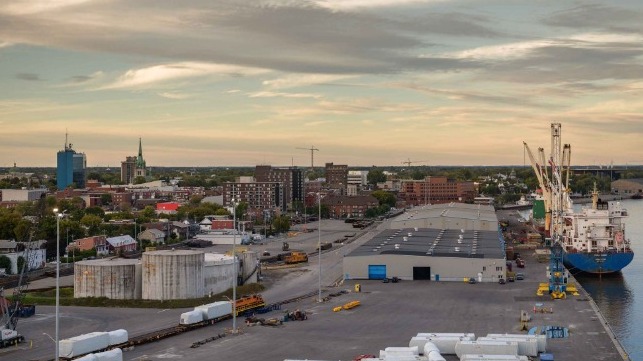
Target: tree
(385, 197)
(140, 180)
(241, 209)
(106, 199)
(97, 211)
(92, 222)
(5, 262)
(375, 176)
(20, 263)
(22, 230)
(281, 224)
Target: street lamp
(58, 216)
(319, 299)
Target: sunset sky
(367, 82)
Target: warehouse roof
(430, 242)
(451, 210)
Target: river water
(620, 296)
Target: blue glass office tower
(71, 168)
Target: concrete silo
(173, 274)
(218, 272)
(115, 278)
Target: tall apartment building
(358, 177)
(290, 178)
(258, 195)
(433, 190)
(134, 166)
(70, 168)
(336, 175)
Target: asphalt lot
(389, 315)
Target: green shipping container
(539, 209)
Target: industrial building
(628, 187)
(449, 216)
(440, 189)
(440, 243)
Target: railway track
(164, 333)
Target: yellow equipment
(249, 302)
(296, 257)
(350, 305)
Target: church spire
(140, 148)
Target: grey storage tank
(173, 274)
(218, 272)
(115, 278)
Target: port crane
(312, 150)
(554, 182)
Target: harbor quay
(389, 315)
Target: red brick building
(434, 190)
(349, 206)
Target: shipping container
(83, 344)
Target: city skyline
(367, 82)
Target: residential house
(121, 244)
(152, 235)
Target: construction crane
(10, 312)
(408, 162)
(556, 199)
(312, 150)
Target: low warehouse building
(443, 242)
(429, 254)
(449, 216)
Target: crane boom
(312, 150)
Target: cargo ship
(594, 238)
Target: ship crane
(556, 199)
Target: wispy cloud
(174, 95)
(302, 80)
(359, 4)
(4, 44)
(26, 7)
(154, 75)
(268, 94)
(28, 76)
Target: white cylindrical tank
(115, 278)
(82, 344)
(486, 348)
(472, 357)
(541, 339)
(526, 346)
(117, 337)
(218, 272)
(173, 274)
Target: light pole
(58, 216)
(319, 299)
(234, 266)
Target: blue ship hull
(598, 263)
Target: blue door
(376, 272)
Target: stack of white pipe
(399, 353)
(111, 355)
(432, 352)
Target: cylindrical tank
(218, 273)
(116, 278)
(249, 267)
(173, 274)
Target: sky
(367, 82)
